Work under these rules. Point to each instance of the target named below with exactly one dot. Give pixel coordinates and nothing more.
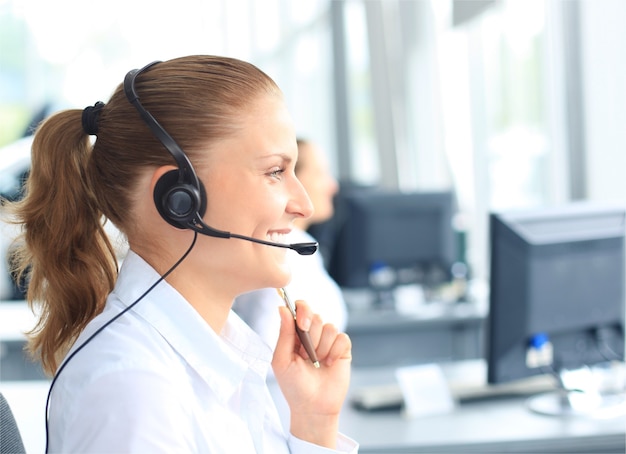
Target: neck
(211, 302)
(210, 297)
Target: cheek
(230, 204)
(263, 210)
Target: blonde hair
(63, 251)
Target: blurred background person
(310, 279)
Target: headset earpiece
(177, 202)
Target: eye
(276, 172)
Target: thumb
(286, 344)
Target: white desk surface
(15, 319)
(496, 426)
(489, 426)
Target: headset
(179, 195)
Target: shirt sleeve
(345, 445)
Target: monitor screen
(556, 280)
(410, 233)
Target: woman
(154, 358)
(310, 279)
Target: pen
(304, 336)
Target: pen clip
(283, 294)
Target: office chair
(10, 438)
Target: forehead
(265, 128)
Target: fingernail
(306, 324)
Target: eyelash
(277, 173)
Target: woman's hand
(315, 396)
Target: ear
(158, 173)
(177, 202)
(164, 179)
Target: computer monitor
(556, 290)
(407, 233)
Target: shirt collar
(221, 360)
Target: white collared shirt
(159, 379)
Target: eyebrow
(283, 156)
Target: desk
(494, 427)
(499, 425)
(15, 320)
(489, 426)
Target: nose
(300, 204)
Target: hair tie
(90, 118)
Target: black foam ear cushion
(176, 202)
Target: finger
(304, 315)
(341, 349)
(287, 338)
(327, 339)
(316, 329)
(314, 334)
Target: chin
(282, 277)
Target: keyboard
(389, 395)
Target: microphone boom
(198, 225)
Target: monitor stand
(585, 400)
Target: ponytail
(63, 252)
